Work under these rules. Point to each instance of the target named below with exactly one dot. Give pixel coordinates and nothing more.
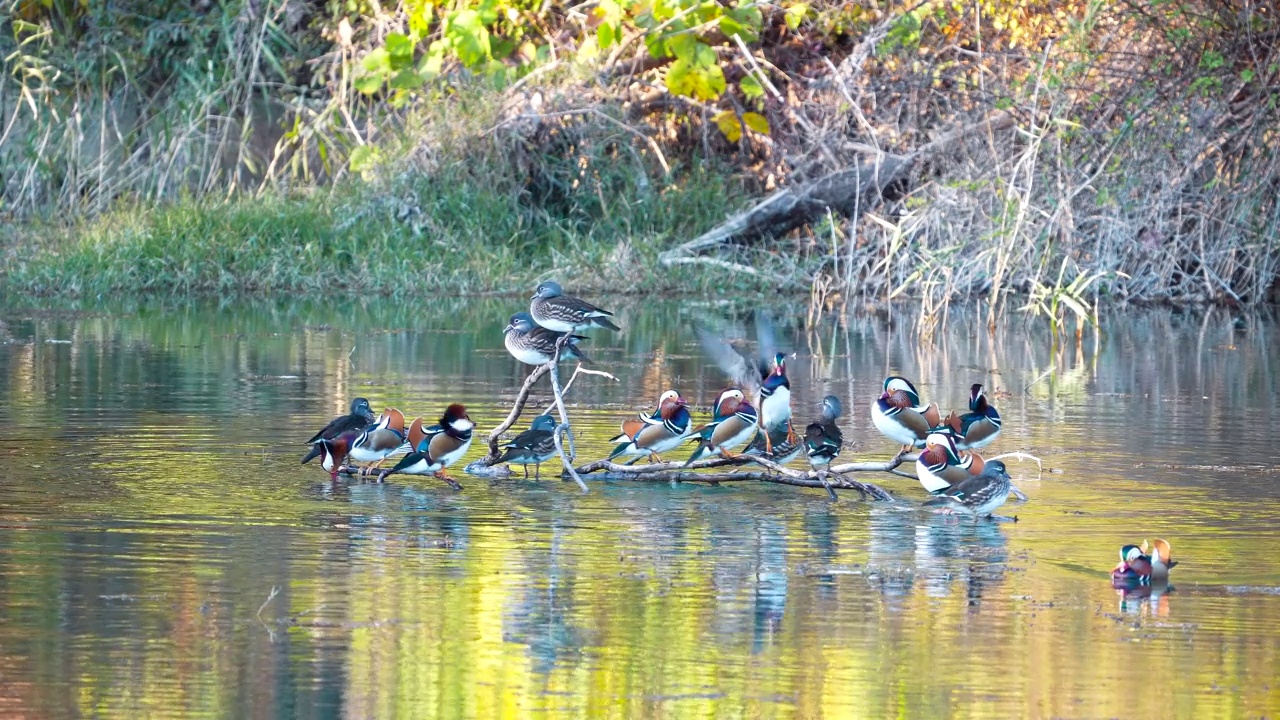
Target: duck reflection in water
(1139, 600)
(540, 619)
(976, 553)
(770, 583)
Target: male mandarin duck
(764, 378)
(899, 416)
(554, 310)
(1143, 565)
(942, 465)
(360, 417)
(651, 435)
(978, 427)
(532, 344)
(733, 424)
(823, 439)
(381, 440)
(435, 448)
(979, 495)
(334, 451)
(533, 446)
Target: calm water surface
(163, 554)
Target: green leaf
(469, 37)
(363, 158)
(751, 87)
(795, 15)
(419, 12)
(400, 48)
(377, 61)
(702, 78)
(369, 84)
(756, 122)
(729, 125)
(407, 79)
(434, 61)
(1246, 75)
(606, 35)
(684, 46)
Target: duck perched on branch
(978, 427)
(435, 448)
(734, 423)
(532, 344)
(900, 416)
(763, 377)
(554, 310)
(360, 417)
(649, 435)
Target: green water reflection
(153, 500)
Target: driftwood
(850, 191)
(772, 473)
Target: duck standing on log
(900, 416)
(554, 310)
(360, 417)
(763, 378)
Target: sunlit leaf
(751, 87)
(729, 125)
(756, 122)
(795, 15)
(469, 37)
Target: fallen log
(850, 192)
(772, 473)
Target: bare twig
(521, 398)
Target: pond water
(163, 553)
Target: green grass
(461, 229)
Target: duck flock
(752, 416)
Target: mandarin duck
(532, 344)
(781, 450)
(823, 440)
(360, 417)
(533, 446)
(733, 424)
(333, 451)
(979, 495)
(651, 435)
(554, 310)
(943, 465)
(435, 448)
(380, 440)
(764, 377)
(978, 427)
(899, 416)
(1142, 565)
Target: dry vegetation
(1059, 151)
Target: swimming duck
(1142, 565)
(380, 440)
(334, 451)
(979, 495)
(650, 435)
(764, 378)
(554, 310)
(823, 439)
(437, 447)
(733, 424)
(360, 417)
(899, 416)
(943, 465)
(978, 427)
(532, 344)
(533, 446)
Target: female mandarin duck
(733, 424)
(334, 451)
(650, 435)
(764, 378)
(979, 495)
(899, 416)
(533, 446)
(823, 440)
(433, 449)
(360, 417)
(534, 345)
(978, 427)
(1143, 565)
(380, 440)
(942, 465)
(554, 310)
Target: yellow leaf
(728, 123)
(756, 122)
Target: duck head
(977, 399)
(897, 387)
(945, 441)
(455, 420)
(335, 452)
(729, 401)
(547, 289)
(831, 408)
(543, 422)
(997, 468)
(521, 322)
(1130, 553)
(779, 363)
(360, 408)
(670, 403)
